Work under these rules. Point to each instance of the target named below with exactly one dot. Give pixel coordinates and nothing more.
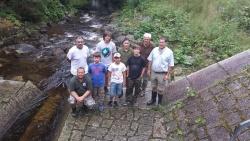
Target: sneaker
(74, 112)
(101, 108)
(127, 104)
(110, 104)
(106, 89)
(115, 104)
(142, 93)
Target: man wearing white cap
(146, 46)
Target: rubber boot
(153, 99)
(160, 99)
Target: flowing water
(48, 68)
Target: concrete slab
(236, 63)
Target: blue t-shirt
(97, 72)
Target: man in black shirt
(136, 68)
(80, 88)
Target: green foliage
(10, 15)
(53, 10)
(200, 120)
(39, 10)
(191, 92)
(198, 30)
(179, 132)
(237, 11)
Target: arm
(127, 72)
(109, 76)
(149, 68)
(170, 67)
(142, 72)
(124, 78)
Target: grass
(200, 32)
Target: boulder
(16, 98)
(21, 49)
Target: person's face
(97, 59)
(79, 43)
(162, 44)
(117, 59)
(107, 39)
(80, 73)
(146, 40)
(136, 52)
(126, 44)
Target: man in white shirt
(107, 49)
(160, 66)
(78, 56)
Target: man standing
(80, 88)
(107, 49)
(160, 66)
(78, 55)
(146, 46)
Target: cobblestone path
(209, 115)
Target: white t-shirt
(106, 50)
(78, 58)
(116, 72)
(161, 59)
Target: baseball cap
(117, 54)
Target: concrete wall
(206, 77)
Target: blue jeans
(115, 89)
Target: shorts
(115, 89)
(158, 83)
(71, 100)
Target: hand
(78, 99)
(165, 77)
(81, 98)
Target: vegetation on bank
(17, 12)
(200, 32)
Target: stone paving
(210, 114)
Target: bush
(198, 31)
(237, 11)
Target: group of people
(130, 67)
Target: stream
(42, 60)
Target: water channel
(48, 69)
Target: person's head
(162, 42)
(147, 38)
(126, 43)
(107, 36)
(117, 57)
(80, 72)
(97, 57)
(79, 42)
(136, 51)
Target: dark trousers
(132, 84)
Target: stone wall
(208, 76)
(16, 97)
